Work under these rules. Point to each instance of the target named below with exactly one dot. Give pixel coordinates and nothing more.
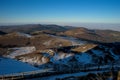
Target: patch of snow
(61, 57)
(8, 66)
(47, 52)
(47, 43)
(84, 58)
(24, 34)
(74, 41)
(36, 60)
(32, 61)
(98, 52)
(43, 59)
(20, 51)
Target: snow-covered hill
(97, 55)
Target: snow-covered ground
(84, 58)
(97, 56)
(74, 41)
(47, 43)
(98, 53)
(24, 34)
(9, 66)
(20, 51)
(61, 58)
(20, 34)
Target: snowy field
(74, 41)
(8, 66)
(20, 51)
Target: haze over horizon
(63, 12)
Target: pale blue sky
(59, 11)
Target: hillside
(44, 41)
(93, 35)
(64, 50)
(41, 41)
(81, 33)
(13, 39)
(66, 56)
(34, 27)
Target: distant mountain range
(70, 31)
(93, 35)
(34, 27)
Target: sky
(59, 11)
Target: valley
(66, 51)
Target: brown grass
(118, 77)
(84, 48)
